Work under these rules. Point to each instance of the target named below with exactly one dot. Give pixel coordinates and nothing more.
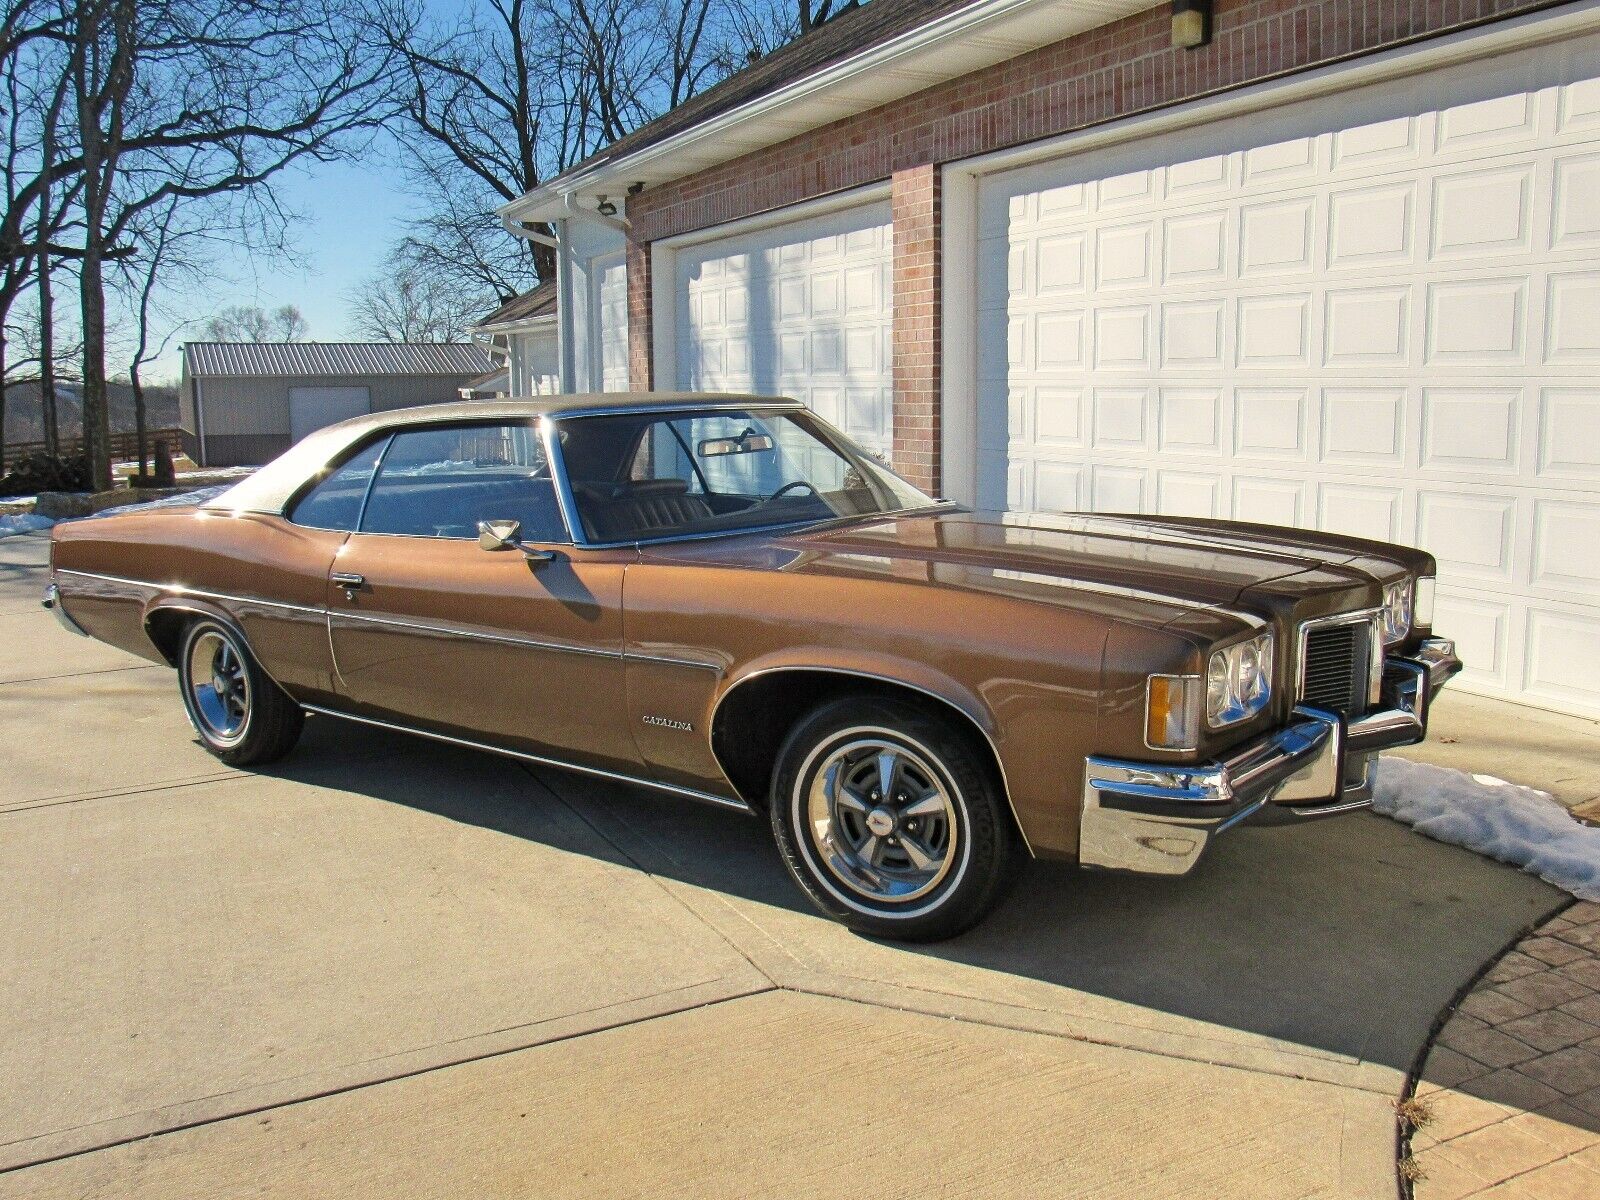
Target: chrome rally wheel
(892, 818)
(880, 818)
(216, 686)
(241, 715)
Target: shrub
(41, 472)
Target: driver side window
(442, 482)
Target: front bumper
(1157, 818)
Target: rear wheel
(892, 820)
(242, 717)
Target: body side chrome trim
(989, 741)
(456, 631)
(672, 788)
(179, 589)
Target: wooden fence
(123, 445)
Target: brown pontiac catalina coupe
(722, 598)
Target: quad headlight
(1399, 601)
(1239, 681)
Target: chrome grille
(1336, 666)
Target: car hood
(1172, 565)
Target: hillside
(25, 424)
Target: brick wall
(915, 205)
(1115, 71)
(641, 340)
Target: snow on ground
(23, 523)
(1518, 825)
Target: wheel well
(755, 718)
(164, 626)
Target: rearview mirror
(745, 443)
(507, 535)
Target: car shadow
(1348, 936)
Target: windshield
(642, 476)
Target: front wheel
(892, 819)
(242, 717)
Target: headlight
(1397, 608)
(1239, 681)
(1422, 606)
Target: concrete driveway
(388, 968)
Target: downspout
(516, 228)
(566, 346)
(199, 422)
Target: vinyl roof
(270, 488)
(323, 359)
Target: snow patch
(23, 523)
(1506, 821)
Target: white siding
(1378, 314)
(803, 310)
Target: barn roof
(323, 359)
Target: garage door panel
(802, 309)
(1379, 316)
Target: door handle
(350, 581)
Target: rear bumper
(1157, 818)
(52, 601)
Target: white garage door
(310, 408)
(801, 310)
(1377, 314)
(608, 368)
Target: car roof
(271, 488)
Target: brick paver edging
(1507, 1101)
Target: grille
(1335, 668)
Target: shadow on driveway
(1347, 936)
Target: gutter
(960, 24)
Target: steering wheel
(789, 487)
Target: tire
(240, 715)
(938, 860)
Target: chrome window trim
(542, 760)
(565, 500)
(550, 423)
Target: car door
(430, 630)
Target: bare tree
(184, 100)
(406, 301)
(508, 93)
(247, 323)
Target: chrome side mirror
(507, 535)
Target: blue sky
(351, 213)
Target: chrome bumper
(1157, 818)
(52, 601)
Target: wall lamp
(605, 207)
(1191, 24)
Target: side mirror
(507, 535)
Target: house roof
(322, 359)
(850, 32)
(863, 59)
(530, 306)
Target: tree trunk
(96, 413)
(2, 400)
(138, 417)
(47, 358)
